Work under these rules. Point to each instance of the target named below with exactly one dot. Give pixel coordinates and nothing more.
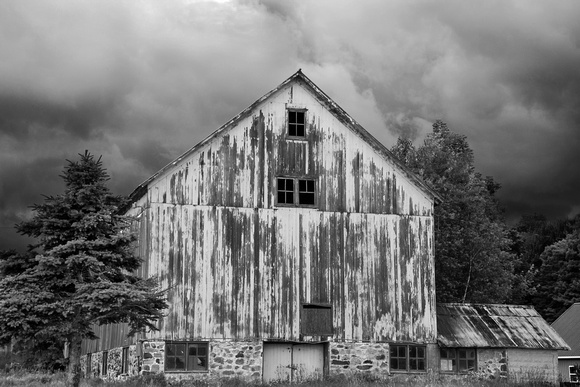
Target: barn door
(292, 362)
(277, 362)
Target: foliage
(472, 259)
(80, 271)
(529, 238)
(558, 281)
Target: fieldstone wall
(242, 359)
(134, 366)
(153, 357)
(351, 358)
(114, 364)
(492, 363)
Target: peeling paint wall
(239, 267)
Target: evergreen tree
(472, 262)
(79, 273)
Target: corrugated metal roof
(495, 326)
(568, 326)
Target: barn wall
(375, 270)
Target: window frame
(296, 182)
(573, 375)
(298, 124)
(407, 357)
(186, 356)
(457, 359)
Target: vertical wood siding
(239, 267)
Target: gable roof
(495, 326)
(332, 106)
(568, 326)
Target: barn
(292, 244)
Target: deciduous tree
(81, 270)
(472, 262)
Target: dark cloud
(141, 82)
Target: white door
(308, 361)
(277, 362)
(292, 362)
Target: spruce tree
(80, 272)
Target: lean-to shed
(292, 244)
(511, 341)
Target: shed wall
(531, 364)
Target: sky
(140, 82)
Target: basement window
(186, 356)
(407, 358)
(104, 363)
(125, 361)
(296, 123)
(296, 192)
(458, 360)
(316, 320)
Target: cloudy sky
(140, 82)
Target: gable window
(460, 360)
(407, 358)
(296, 192)
(285, 191)
(185, 356)
(316, 319)
(296, 123)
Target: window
(572, 372)
(296, 192)
(459, 360)
(186, 356)
(89, 365)
(104, 363)
(285, 191)
(125, 361)
(296, 123)
(407, 358)
(316, 320)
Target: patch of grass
(39, 379)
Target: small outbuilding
(568, 326)
(498, 341)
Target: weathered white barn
(292, 243)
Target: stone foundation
(352, 358)
(492, 363)
(236, 359)
(153, 357)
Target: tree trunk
(74, 365)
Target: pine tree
(472, 262)
(80, 272)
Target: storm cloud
(140, 82)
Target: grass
(27, 379)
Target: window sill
(186, 372)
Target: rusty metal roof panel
(495, 326)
